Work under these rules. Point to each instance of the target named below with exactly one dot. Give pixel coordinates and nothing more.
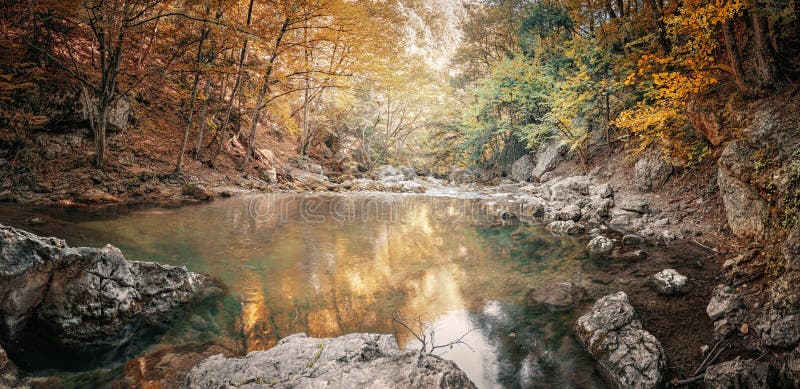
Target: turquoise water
(330, 265)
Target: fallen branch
(687, 381)
(713, 250)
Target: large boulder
(85, 299)
(568, 227)
(547, 158)
(349, 361)
(462, 176)
(726, 310)
(747, 212)
(631, 356)
(740, 374)
(522, 169)
(652, 170)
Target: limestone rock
(568, 227)
(726, 310)
(747, 212)
(779, 325)
(651, 172)
(634, 204)
(670, 282)
(631, 356)
(349, 361)
(86, 298)
(740, 374)
(522, 169)
(548, 157)
(600, 245)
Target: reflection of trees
(331, 278)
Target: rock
(632, 240)
(311, 167)
(740, 374)
(197, 192)
(85, 299)
(707, 123)
(634, 204)
(747, 212)
(408, 172)
(462, 176)
(791, 248)
(522, 169)
(603, 191)
(269, 174)
(600, 245)
(558, 296)
(670, 282)
(349, 361)
(548, 157)
(726, 310)
(651, 171)
(631, 356)
(384, 171)
(8, 371)
(625, 220)
(568, 227)
(779, 325)
(791, 369)
(570, 212)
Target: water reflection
(333, 265)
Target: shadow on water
(331, 265)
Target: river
(328, 265)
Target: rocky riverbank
(85, 304)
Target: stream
(328, 265)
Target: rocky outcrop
(651, 171)
(726, 310)
(740, 374)
(669, 282)
(547, 158)
(600, 245)
(631, 356)
(747, 212)
(779, 325)
(349, 361)
(522, 169)
(86, 299)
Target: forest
(399, 193)
(361, 79)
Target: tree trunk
(236, 83)
(188, 127)
(663, 45)
(733, 56)
(767, 68)
(100, 135)
(203, 120)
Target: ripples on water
(330, 265)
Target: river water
(328, 265)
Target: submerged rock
(8, 372)
(85, 299)
(670, 282)
(561, 295)
(740, 374)
(349, 361)
(631, 356)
